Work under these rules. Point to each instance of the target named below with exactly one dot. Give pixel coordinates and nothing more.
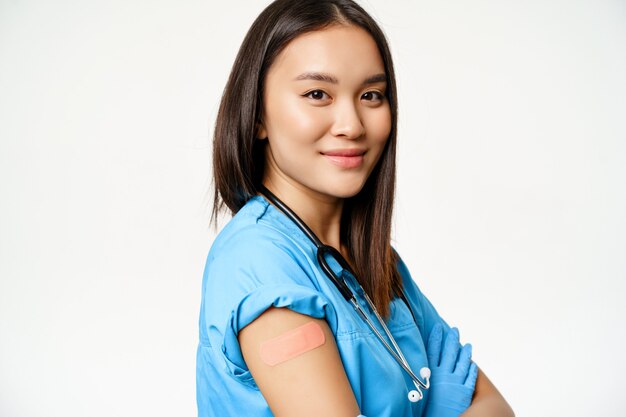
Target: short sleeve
(428, 315)
(248, 273)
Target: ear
(261, 133)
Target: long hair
(239, 161)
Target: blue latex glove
(452, 374)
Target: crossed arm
(487, 400)
(297, 387)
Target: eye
(373, 96)
(315, 94)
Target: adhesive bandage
(293, 343)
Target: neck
(321, 213)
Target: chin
(345, 190)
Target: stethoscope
(323, 250)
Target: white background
(510, 209)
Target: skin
(487, 400)
(303, 120)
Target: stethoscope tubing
(346, 292)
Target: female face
(326, 117)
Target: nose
(348, 121)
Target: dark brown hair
(238, 158)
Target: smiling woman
(304, 158)
(325, 130)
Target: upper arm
(484, 386)
(487, 400)
(311, 384)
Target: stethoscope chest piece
(416, 394)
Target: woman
(309, 117)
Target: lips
(344, 152)
(345, 158)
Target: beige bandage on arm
(293, 343)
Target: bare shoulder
(296, 364)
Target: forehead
(345, 51)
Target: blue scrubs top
(262, 259)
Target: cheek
(289, 117)
(379, 126)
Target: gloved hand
(452, 374)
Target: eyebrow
(321, 76)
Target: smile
(345, 158)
